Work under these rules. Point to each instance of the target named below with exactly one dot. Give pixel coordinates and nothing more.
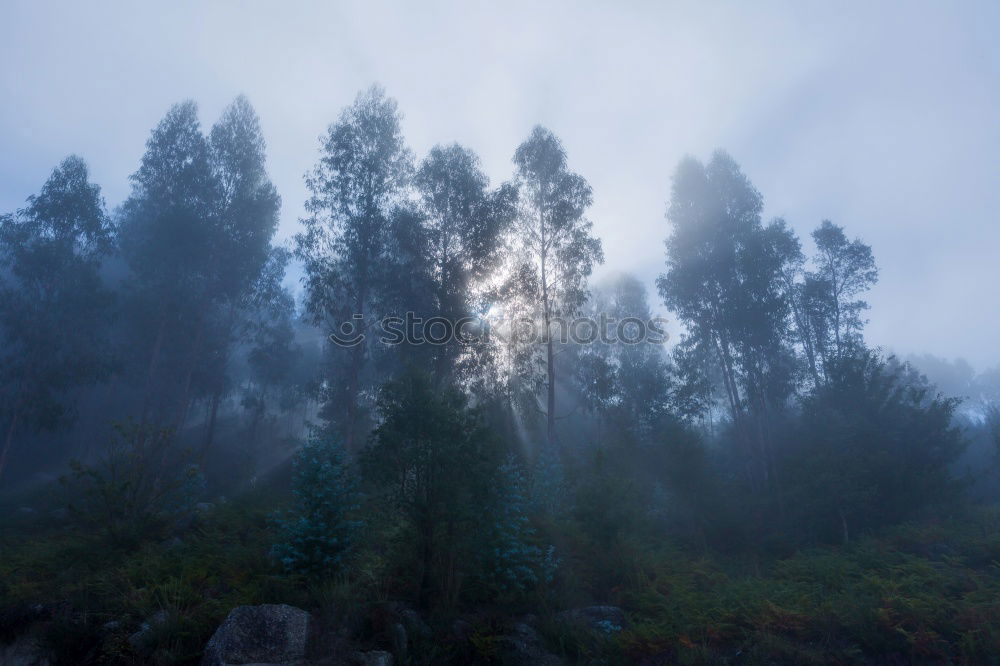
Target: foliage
(53, 303)
(318, 534)
(873, 448)
(510, 561)
(435, 460)
(138, 487)
(363, 170)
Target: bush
(138, 486)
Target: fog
(557, 333)
(880, 117)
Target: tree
(873, 447)
(843, 271)
(273, 354)
(556, 251)
(247, 270)
(627, 381)
(363, 170)
(465, 224)
(725, 282)
(54, 306)
(196, 233)
(318, 533)
(436, 460)
(168, 237)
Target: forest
(422, 432)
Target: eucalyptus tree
(361, 177)
(196, 233)
(725, 280)
(555, 248)
(247, 269)
(54, 306)
(624, 373)
(465, 224)
(843, 270)
(167, 237)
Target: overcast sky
(880, 116)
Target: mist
(516, 334)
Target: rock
(523, 647)
(113, 625)
(268, 634)
(600, 619)
(139, 639)
(373, 658)
(25, 511)
(204, 507)
(415, 625)
(24, 651)
(399, 641)
(60, 514)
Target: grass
(919, 593)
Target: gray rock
(204, 507)
(523, 647)
(26, 511)
(399, 641)
(24, 651)
(600, 619)
(139, 639)
(268, 634)
(373, 658)
(414, 624)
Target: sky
(880, 116)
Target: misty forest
(422, 431)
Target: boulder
(523, 647)
(140, 639)
(599, 619)
(268, 634)
(26, 650)
(373, 658)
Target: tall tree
(247, 270)
(843, 270)
(465, 224)
(627, 381)
(168, 236)
(196, 233)
(556, 250)
(54, 306)
(725, 282)
(362, 173)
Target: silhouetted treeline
(770, 416)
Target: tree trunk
(551, 396)
(426, 555)
(210, 435)
(186, 395)
(151, 369)
(7, 442)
